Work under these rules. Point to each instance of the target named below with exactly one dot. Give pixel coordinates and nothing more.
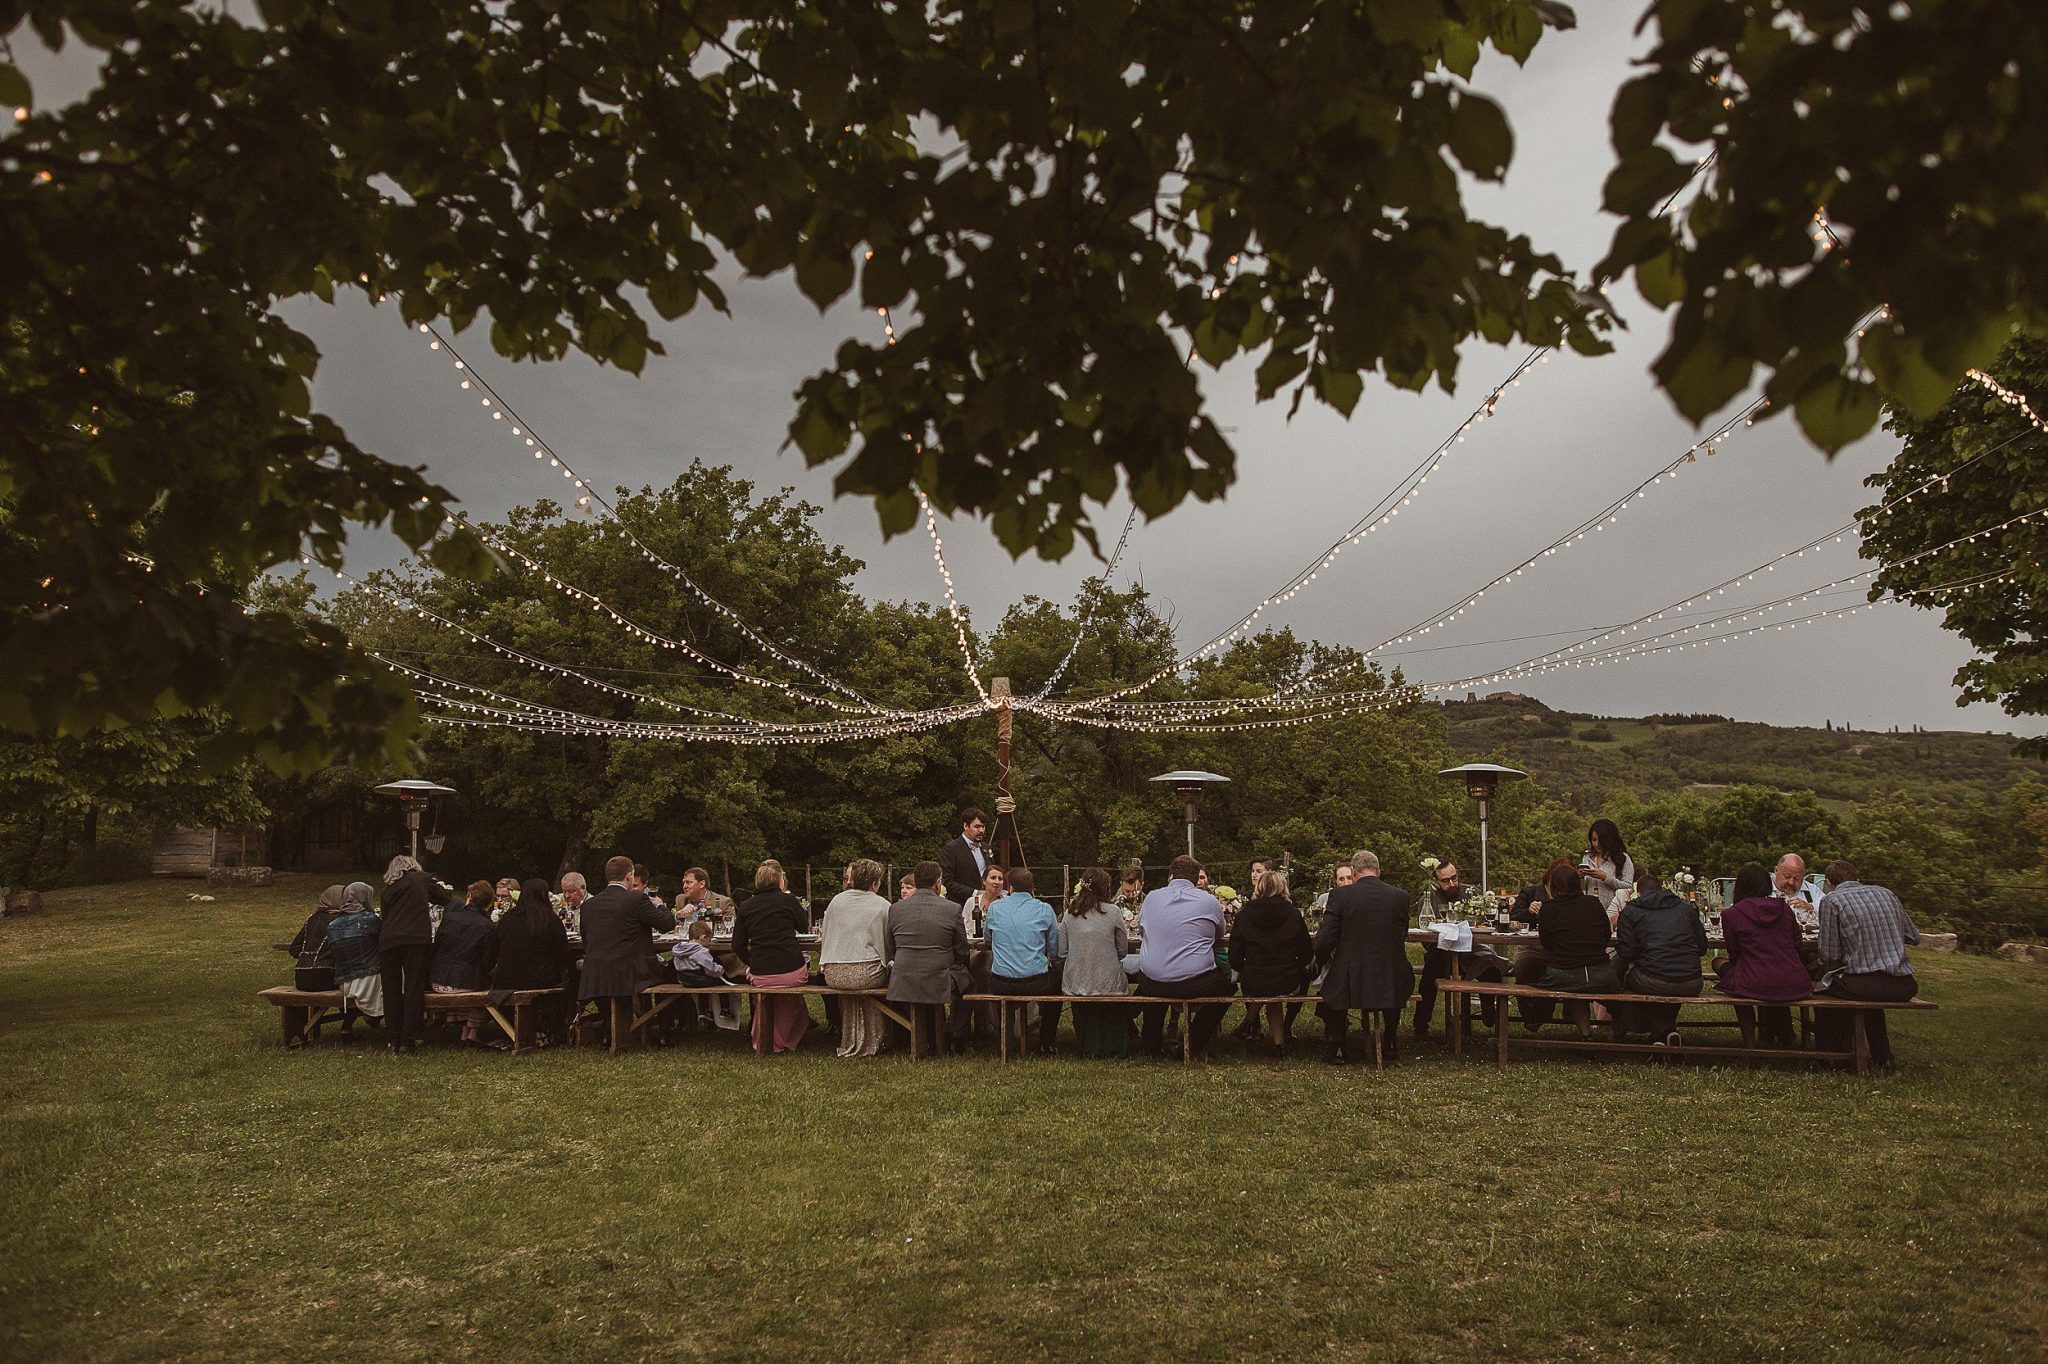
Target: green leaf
(1480, 137)
(14, 87)
(1278, 368)
(1661, 279)
(823, 273)
(1837, 411)
(1641, 180)
(1341, 388)
(817, 434)
(674, 293)
(884, 282)
(1638, 114)
(1418, 23)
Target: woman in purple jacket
(1762, 941)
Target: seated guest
(1271, 952)
(994, 886)
(1093, 941)
(1765, 959)
(696, 964)
(575, 890)
(405, 947)
(1572, 926)
(465, 951)
(619, 925)
(313, 959)
(700, 900)
(533, 953)
(926, 939)
(854, 956)
(906, 887)
(1130, 894)
(1363, 939)
(1183, 927)
(352, 938)
(1342, 875)
(1658, 943)
(642, 880)
(1446, 898)
(1864, 932)
(1024, 950)
(764, 936)
(1530, 964)
(506, 896)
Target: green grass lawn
(174, 1185)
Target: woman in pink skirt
(764, 936)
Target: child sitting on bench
(696, 966)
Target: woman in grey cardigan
(1092, 946)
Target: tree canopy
(1057, 202)
(1993, 592)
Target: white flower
(1430, 864)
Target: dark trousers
(1437, 964)
(1337, 1027)
(1836, 1027)
(1045, 983)
(1773, 1022)
(1208, 1017)
(1654, 1019)
(405, 991)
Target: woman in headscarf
(533, 953)
(405, 949)
(352, 938)
(313, 964)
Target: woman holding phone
(1605, 871)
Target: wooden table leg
(1501, 1035)
(1457, 1021)
(1862, 1047)
(1004, 1047)
(1187, 1033)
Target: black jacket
(1364, 938)
(403, 920)
(957, 870)
(1573, 932)
(764, 933)
(1270, 948)
(618, 942)
(466, 949)
(529, 960)
(1660, 934)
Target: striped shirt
(1864, 931)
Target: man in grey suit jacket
(926, 942)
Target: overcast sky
(1566, 442)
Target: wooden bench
(1276, 1029)
(663, 997)
(1579, 1006)
(303, 1010)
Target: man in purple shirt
(1182, 928)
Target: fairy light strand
(492, 401)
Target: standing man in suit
(963, 862)
(619, 924)
(1364, 942)
(925, 939)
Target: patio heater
(1189, 787)
(1480, 780)
(413, 797)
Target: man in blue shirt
(1181, 928)
(1024, 945)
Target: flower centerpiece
(1688, 884)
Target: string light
(541, 449)
(931, 525)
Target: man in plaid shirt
(1864, 931)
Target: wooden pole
(1006, 824)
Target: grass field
(173, 1185)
